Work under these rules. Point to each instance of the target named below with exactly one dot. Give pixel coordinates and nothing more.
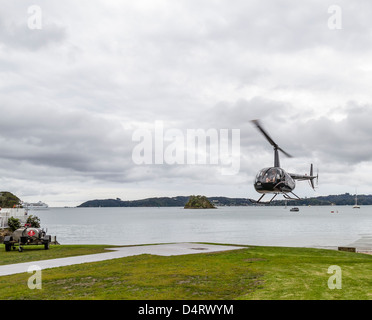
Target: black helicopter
(275, 179)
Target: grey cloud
(346, 140)
(73, 140)
(16, 34)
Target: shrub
(34, 221)
(14, 223)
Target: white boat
(35, 205)
(356, 206)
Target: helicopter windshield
(269, 175)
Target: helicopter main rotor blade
(259, 127)
(271, 141)
(286, 153)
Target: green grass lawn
(268, 273)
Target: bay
(317, 227)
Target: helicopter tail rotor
(312, 177)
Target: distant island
(199, 202)
(180, 201)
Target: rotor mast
(276, 157)
(272, 142)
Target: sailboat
(356, 206)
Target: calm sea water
(325, 227)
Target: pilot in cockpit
(270, 176)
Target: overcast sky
(78, 78)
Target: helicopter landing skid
(290, 198)
(259, 200)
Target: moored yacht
(356, 206)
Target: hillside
(199, 202)
(150, 202)
(8, 200)
(339, 200)
(180, 201)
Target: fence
(6, 213)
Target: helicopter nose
(263, 185)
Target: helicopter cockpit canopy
(270, 175)
(273, 179)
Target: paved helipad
(172, 249)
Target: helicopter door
(289, 182)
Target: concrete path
(363, 244)
(120, 252)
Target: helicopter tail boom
(310, 177)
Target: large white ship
(35, 205)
